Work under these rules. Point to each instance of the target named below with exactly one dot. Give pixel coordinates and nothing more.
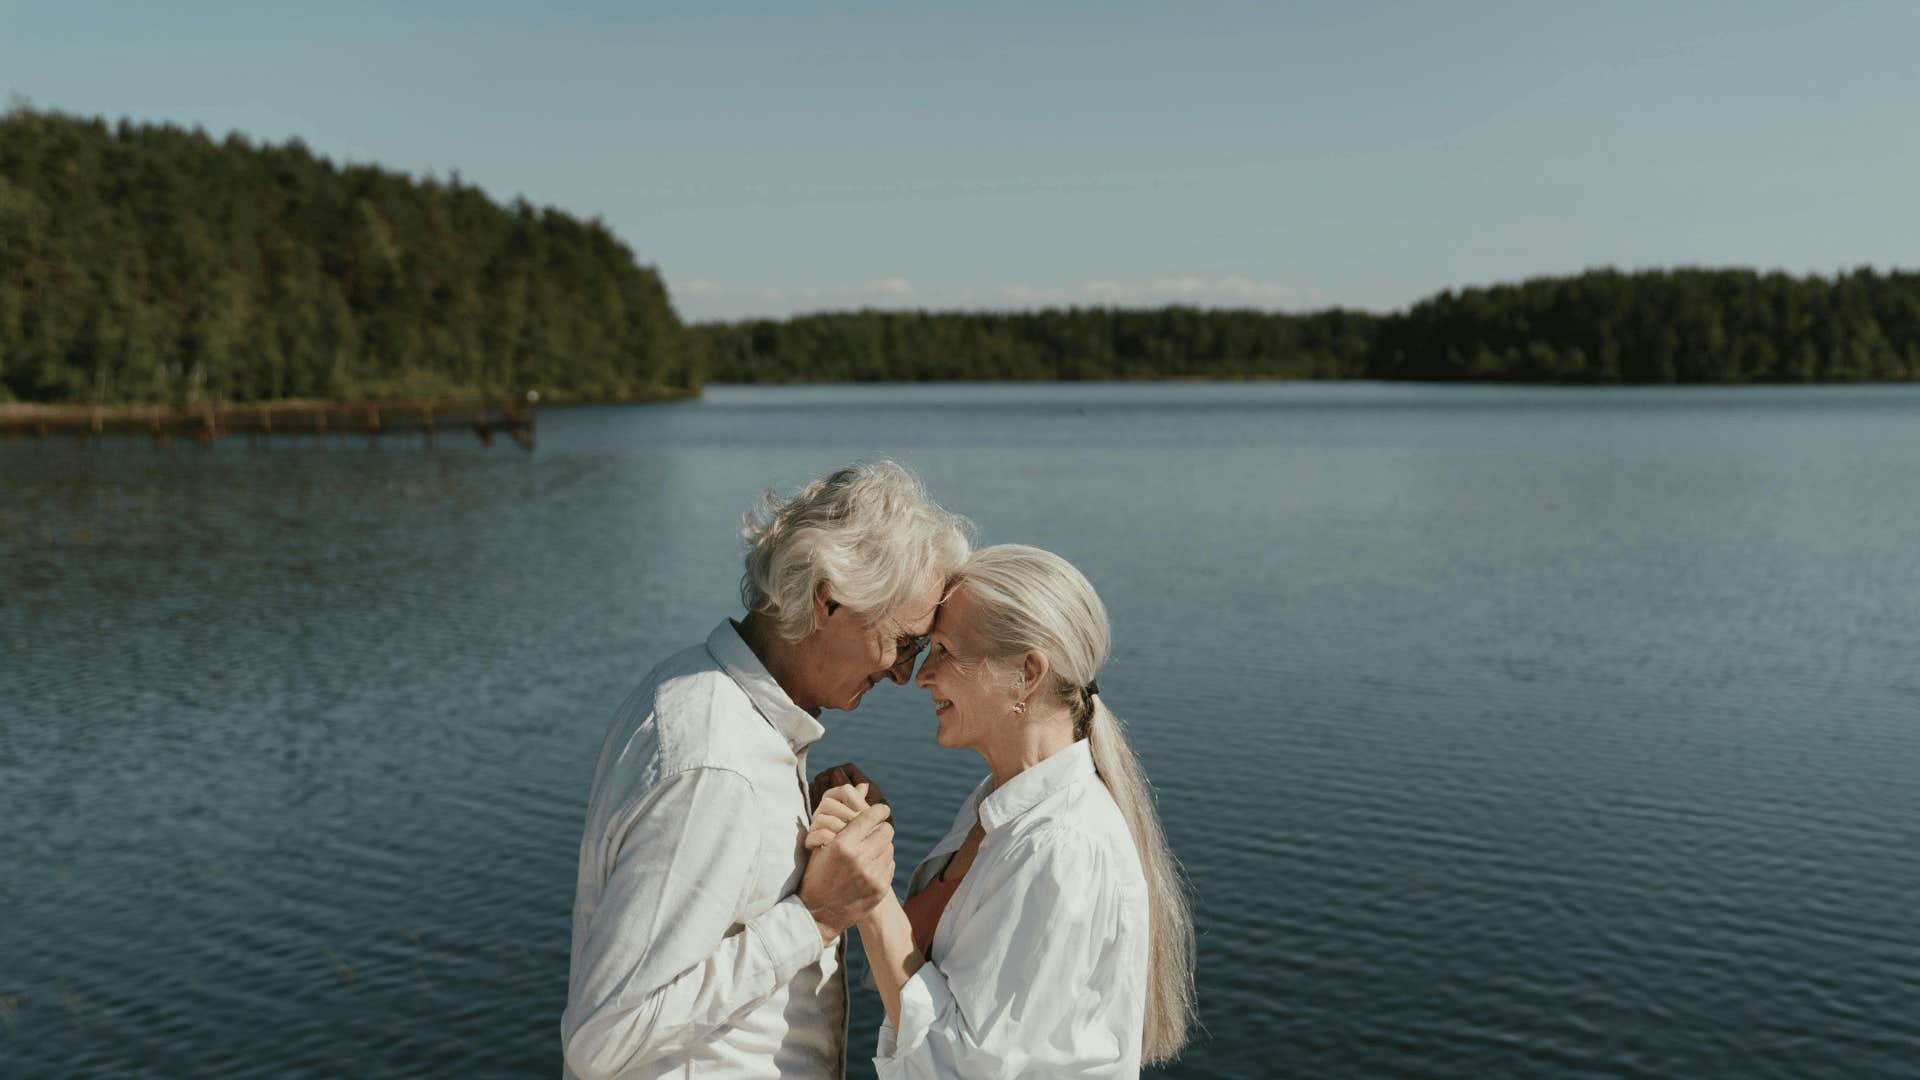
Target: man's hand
(839, 775)
(848, 875)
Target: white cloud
(705, 299)
(1225, 291)
(1199, 290)
(893, 286)
(702, 294)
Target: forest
(143, 263)
(153, 264)
(1603, 326)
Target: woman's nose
(922, 680)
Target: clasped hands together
(850, 868)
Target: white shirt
(1039, 965)
(691, 954)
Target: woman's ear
(1034, 668)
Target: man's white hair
(870, 531)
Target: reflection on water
(1502, 731)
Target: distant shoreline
(18, 414)
(285, 275)
(484, 415)
(25, 416)
(1203, 380)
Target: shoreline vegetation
(1601, 327)
(151, 265)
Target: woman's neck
(1026, 745)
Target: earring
(1019, 707)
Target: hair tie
(1092, 687)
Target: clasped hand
(839, 808)
(850, 862)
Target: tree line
(144, 263)
(1603, 326)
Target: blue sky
(772, 158)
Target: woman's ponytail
(1170, 996)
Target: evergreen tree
(181, 268)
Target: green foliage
(178, 268)
(1682, 326)
(1074, 344)
(1675, 326)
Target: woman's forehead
(955, 613)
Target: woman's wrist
(877, 917)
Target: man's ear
(823, 604)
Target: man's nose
(901, 670)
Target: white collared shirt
(692, 955)
(1039, 965)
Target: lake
(1502, 731)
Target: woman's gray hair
(1029, 599)
(870, 531)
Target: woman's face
(968, 702)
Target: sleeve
(666, 962)
(1038, 982)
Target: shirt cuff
(788, 936)
(922, 1001)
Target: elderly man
(705, 941)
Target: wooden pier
(484, 419)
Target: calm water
(1504, 732)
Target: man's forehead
(917, 616)
(918, 619)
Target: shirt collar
(791, 721)
(1031, 788)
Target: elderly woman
(1047, 934)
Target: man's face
(853, 651)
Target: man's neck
(779, 656)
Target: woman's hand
(838, 807)
(885, 931)
(848, 773)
